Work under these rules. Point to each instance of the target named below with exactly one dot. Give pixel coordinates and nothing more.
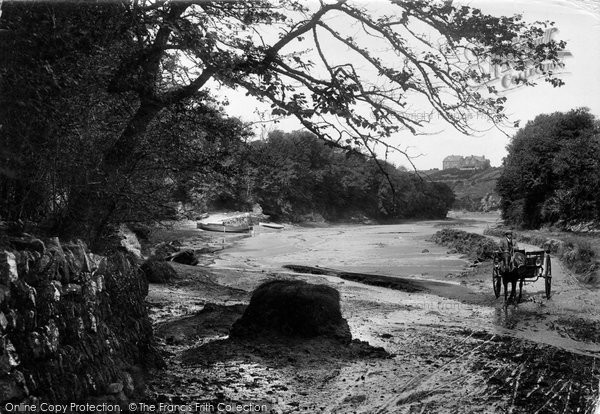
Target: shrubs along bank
(73, 325)
(475, 246)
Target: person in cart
(508, 247)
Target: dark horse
(513, 274)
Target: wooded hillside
(473, 190)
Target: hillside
(474, 190)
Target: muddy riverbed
(449, 347)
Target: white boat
(224, 228)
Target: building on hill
(471, 162)
(452, 161)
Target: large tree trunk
(120, 156)
(91, 207)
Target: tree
(56, 115)
(552, 172)
(297, 174)
(230, 43)
(166, 53)
(58, 120)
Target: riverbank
(442, 354)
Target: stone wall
(73, 325)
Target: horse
(515, 273)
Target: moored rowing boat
(224, 228)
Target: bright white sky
(578, 23)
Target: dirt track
(445, 351)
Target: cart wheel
(496, 281)
(548, 276)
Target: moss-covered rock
(157, 271)
(293, 308)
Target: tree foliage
(552, 171)
(56, 115)
(85, 85)
(296, 174)
(259, 46)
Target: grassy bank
(473, 245)
(579, 254)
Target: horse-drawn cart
(527, 267)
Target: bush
(579, 255)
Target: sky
(578, 23)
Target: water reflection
(507, 317)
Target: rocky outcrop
(157, 271)
(73, 325)
(293, 308)
(186, 257)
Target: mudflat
(449, 346)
